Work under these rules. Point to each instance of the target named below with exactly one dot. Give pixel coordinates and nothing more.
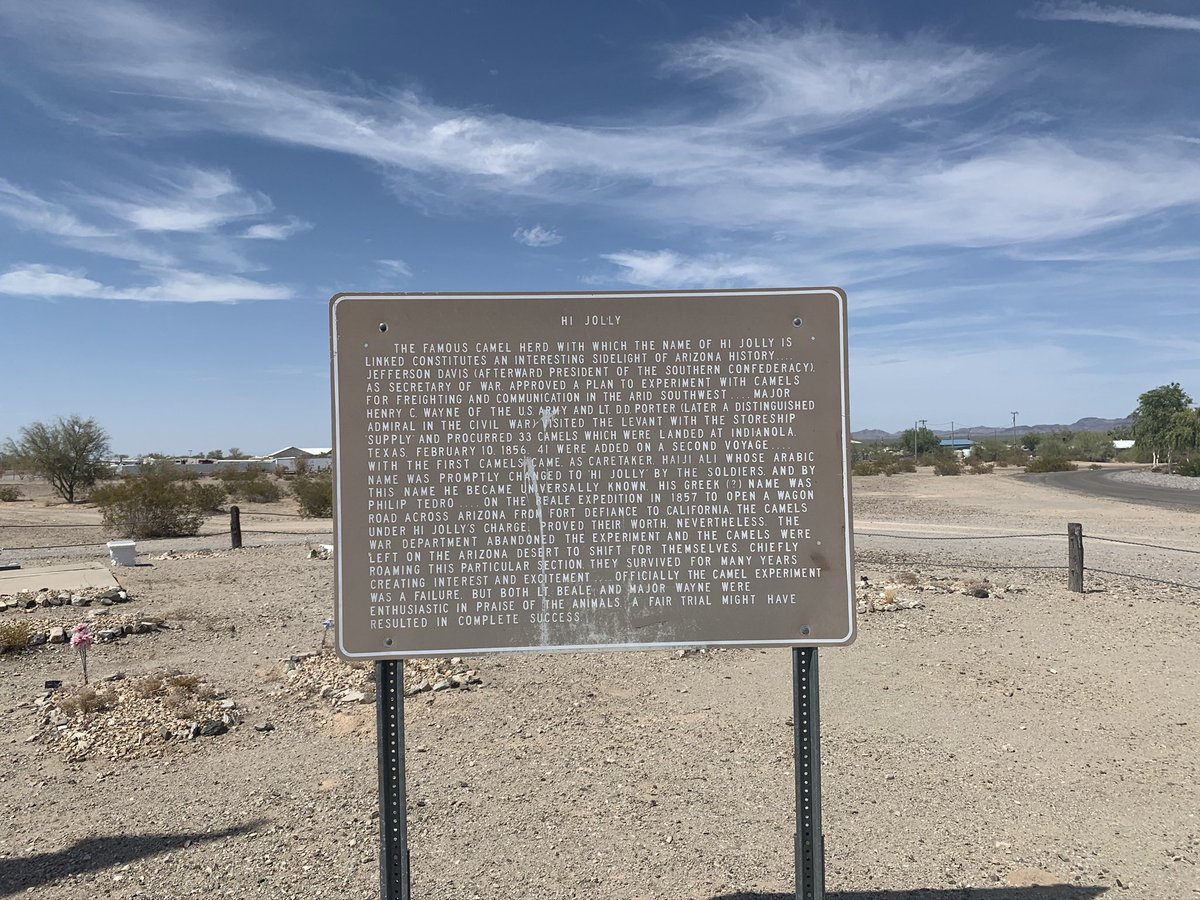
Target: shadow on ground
(1055, 892)
(19, 873)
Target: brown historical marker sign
(524, 472)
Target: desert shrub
(10, 493)
(904, 464)
(86, 699)
(251, 486)
(259, 490)
(14, 636)
(865, 467)
(948, 465)
(981, 468)
(1189, 467)
(1050, 464)
(315, 494)
(180, 693)
(147, 506)
(209, 495)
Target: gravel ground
(973, 747)
(1158, 479)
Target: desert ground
(990, 735)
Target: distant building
(1123, 445)
(295, 459)
(961, 446)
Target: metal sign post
(806, 719)
(393, 804)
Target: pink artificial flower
(81, 636)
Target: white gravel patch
(1158, 479)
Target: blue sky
(1008, 192)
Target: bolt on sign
(531, 472)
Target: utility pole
(914, 441)
(1014, 415)
(923, 421)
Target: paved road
(1100, 483)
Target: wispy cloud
(187, 199)
(395, 266)
(978, 190)
(172, 220)
(668, 269)
(691, 172)
(43, 281)
(537, 236)
(1113, 15)
(277, 231)
(178, 286)
(32, 212)
(827, 75)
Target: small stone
(443, 685)
(58, 635)
(122, 596)
(38, 638)
(351, 697)
(212, 727)
(227, 704)
(264, 726)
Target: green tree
(1155, 426)
(989, 449)
(918, 441)
(1183, 432)
(69, 453)
(1091, 446)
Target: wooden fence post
(235, 527)
(1075, 557)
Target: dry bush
(14, 636)
(10, 494)
(86, 699)
(1050, 464)
(948, 465)
(908, 578)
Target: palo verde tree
(69, 453)
(1164, 422)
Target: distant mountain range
(978, 432)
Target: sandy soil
(973, 747)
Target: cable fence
(1075, 567)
